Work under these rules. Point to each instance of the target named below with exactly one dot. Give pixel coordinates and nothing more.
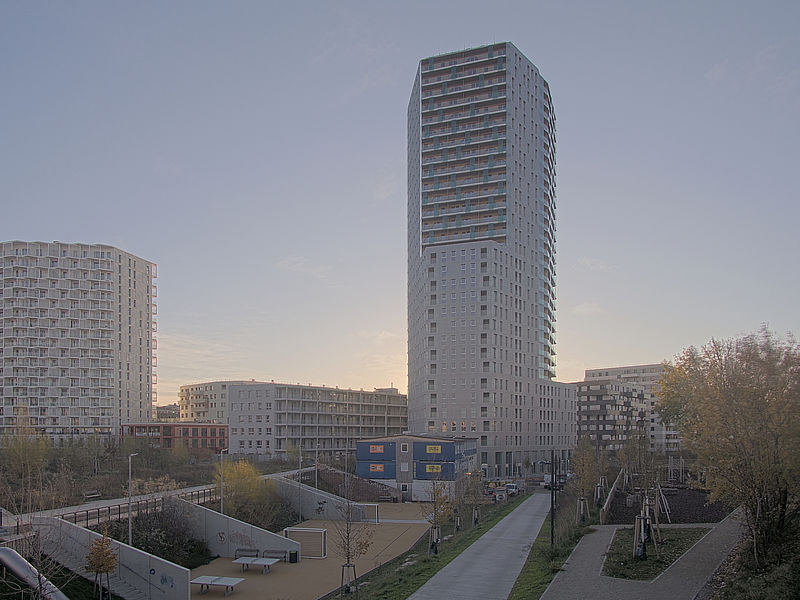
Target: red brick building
(199, 438)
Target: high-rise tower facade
(481, 256)
(77, 338)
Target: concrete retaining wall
(314, 503)
(69, 544)
(225, 534)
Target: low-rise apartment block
(663, 438)
(270, 418)
(207, 401)
(610, 410)
(166, 412)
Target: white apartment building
(77, 338)
(207, 401)
(269, 418)
(481, 257)
(663, 438)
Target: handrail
(22, 569)
(607, 505)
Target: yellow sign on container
(433, 449)
(433, 468)
(373, 468)
(378, 449)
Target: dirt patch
(686, 506)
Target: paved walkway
(488, 569)
(683, 580)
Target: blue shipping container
(432, 451)
(433, 470)
(375, 470)
(375, 450)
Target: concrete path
(488, 569)
(581, 576)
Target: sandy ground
(312, 577)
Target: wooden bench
(206, 581)
(91, 494)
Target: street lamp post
(316, 467)
(299, 480)
(130, 528)
(221, 483)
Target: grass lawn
(621, 563)
(392, 581)
(543, 563)
(539, 570)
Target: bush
(165, 534)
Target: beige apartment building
(269, 418)
(207, 401)
(77, 338)
(610, 410)
(663, 438)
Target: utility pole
(552, 497)
(299, 482)
(316, 467)
(130, 527)
(221, 483)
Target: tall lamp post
(221, 483)
(316, 466)
(130, 528)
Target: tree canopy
(736, 404)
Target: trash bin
(292, 556)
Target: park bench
(279, 554)
(91, 494)
(251, 552)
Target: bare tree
(352, 536)
(438, 511)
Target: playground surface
(312, 578)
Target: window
(403, 447)
(404, 467)
(403, 487)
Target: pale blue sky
(256, 152)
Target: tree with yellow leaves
(101, 560)
(737, 405)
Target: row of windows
(251, 431)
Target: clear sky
(256, 152)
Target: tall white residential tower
(481, 258)
(77, 338)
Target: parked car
(512, 489)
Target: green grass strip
(542, 564)
(621, 563)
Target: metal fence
(94, 516)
